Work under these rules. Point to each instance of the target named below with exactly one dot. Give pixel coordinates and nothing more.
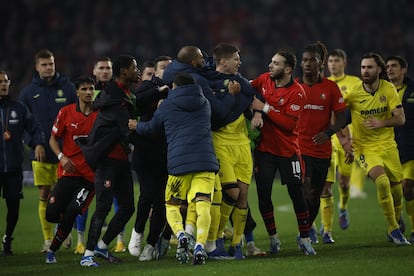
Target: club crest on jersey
(383, 99)
(323, 96)
(107, 183)
(294, 107)
(13, 120)
(52, 200)
(281, 101)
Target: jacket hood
(174, 67)
(111, 95)
(187, 97)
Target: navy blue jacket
(44, 101)
(220, 106)
(18, 119)
(185, 118)
(404, 135)
(219, 84)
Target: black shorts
(11, 185)
(290, 168)
(316, 168)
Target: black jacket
(404, 135)
(153, 148)
(111, 125)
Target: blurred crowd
(79, 31)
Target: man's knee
(230, 193)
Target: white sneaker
(357, 193)
(134, 246)
(253, 250)
(147, 253)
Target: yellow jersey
(234, 133)
(345, 83)
(364, 105)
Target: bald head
(191, 55)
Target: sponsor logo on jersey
(374, 111)
(314, 107)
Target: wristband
(60, 155)
(329, 132)
(266, 108)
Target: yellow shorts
(44, 174)
(408, 170)
(386, 158)
(188, 186)
(236, 163)
(217, 183)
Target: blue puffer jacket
(185, 118)
(220, 106)
(16, 118)
(44, 101)
(404, 135)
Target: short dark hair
(183, 79)
(290, 58)
(122, 61)
(224, 50)
(148, 63)
(337, 53)
(402, 61)
(102, 58)
(43, 53)
(81, 80)
(161, 58)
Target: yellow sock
(409, 207)
(47, 227)
(203, 220)
(215, 216)
(343, 198)
(357, 178)
(327, 214)
(239, 222)
(225, 211)
(385, 201)
(174, 218)
(191, 219)
(397, 195)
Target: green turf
(360, 250)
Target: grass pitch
(362, 249)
